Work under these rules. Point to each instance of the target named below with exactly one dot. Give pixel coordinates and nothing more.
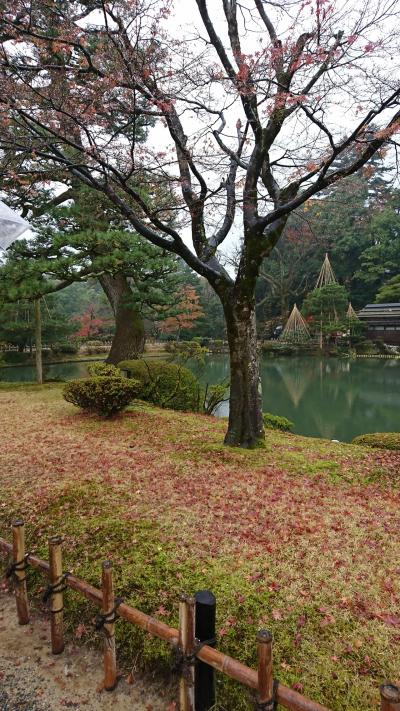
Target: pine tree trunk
(245, 427)
(129, 338)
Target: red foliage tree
(90, 325)
(188, 312)
(280, 102)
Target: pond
(332, 398)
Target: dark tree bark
(129, 338)
(246, 428)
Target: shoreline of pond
(325, 397)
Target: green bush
(280, 348)
(275, 422)
(381, 440)
(103, 395)
(102, 369)
(12, 357)
(165, 384)
(64, 348)
(182, 351)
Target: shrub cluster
(380, 440)
(16, 357)
(95, 347)
(105, 392)
(64, 348)
(275, 422)
(165, 384)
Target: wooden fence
(189, 649)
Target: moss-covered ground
(302, 537)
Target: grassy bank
(301, 537)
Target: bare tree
(259, 102)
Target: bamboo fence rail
(268, 692)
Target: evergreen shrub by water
(105, 393)
(165, 384)
(381, 440)
(275, 422)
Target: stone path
(32, 679)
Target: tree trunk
(129, 338)
(38, 342)
(245, 427)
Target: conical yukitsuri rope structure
(351, 314)
(296, 330)
(326, 275)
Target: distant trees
(390, 291)
(357, 222)
(17, 323)
(86, 239)
(188, 312)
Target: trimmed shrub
(103, 395)
(102, 369)
(275, 422)
(381, 440)
(165, 384)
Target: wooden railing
(268, 693)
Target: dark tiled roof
(375, 311)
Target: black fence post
(205, 632)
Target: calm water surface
(328, 397)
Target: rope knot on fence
(18, 567)
(269, 705)
(107, 618)
(58, 587)
(194, 639)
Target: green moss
(381, 440)
(268, 567)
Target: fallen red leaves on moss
(308, 528)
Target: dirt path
(32, 679)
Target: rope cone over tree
(326, 275)
(351, 314)
(296, 330)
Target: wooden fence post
(390, 697)
(186, 648)
(205, 633)
(110, 659)
(19, 571)
(265, 690)
(56, 579)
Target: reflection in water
(325, 397)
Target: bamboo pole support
(21, 594)
(56, 598)
(289, 698)
(390, 697)
(186, 645)
(265, 691)
(110, 660)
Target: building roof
(377, 311)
